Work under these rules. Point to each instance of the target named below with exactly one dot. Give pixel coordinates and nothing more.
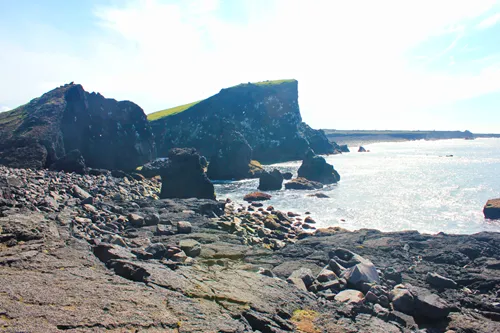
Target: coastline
(220, 268)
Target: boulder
(362, 149)
(492, 209)
(349, 296)
(71, 162)
(305, 274)
(269, 181)
(257, 196)
(315, 168)
(232, 158)
(360, 270)
(431, 306)
(287, 175)
(402, 300)
(439, 281)
(303, 184)
(184, 177)
(191, 247)
(184, 227)
(153, 168)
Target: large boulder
(71, 162)
(184, 176)
(315, 168)
(270, 181)
(109, 134)
(153, 168)
(232, 159)
(267, 115)
(492, 209)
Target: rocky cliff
(266, 114)
(109, 134)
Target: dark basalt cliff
(266, 114)
(109, 134)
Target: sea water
(429, 186)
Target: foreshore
(85, 253)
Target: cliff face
(108, 133)
(266, 114)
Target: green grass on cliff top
(168, 112)
(181, 108)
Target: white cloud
(350, 58)
(489, 22)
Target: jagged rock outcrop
(269, 181)
(266, 114)
(315, 168)
(109, 134)
(232, 159)
(184, 176)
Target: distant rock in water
(362, 150)
(492, 209)
(109, 134)
(270, 181)
(232, 158)
(266, 114)
(344, 149)
(315, 168)
(184, 177)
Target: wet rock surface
(83, 253)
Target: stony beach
(92, 253)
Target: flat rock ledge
(97, 253)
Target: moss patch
(304, 321)
(9, 120)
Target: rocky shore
(92, 253)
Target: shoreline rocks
(114, 250)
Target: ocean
(429, 186)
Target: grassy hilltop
(181, 108)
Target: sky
(387, 64)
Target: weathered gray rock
(184, 227)
(326, 275)
(136, 220)
(305, 274)
(191, 247)
(439, 281)
(402, 300)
